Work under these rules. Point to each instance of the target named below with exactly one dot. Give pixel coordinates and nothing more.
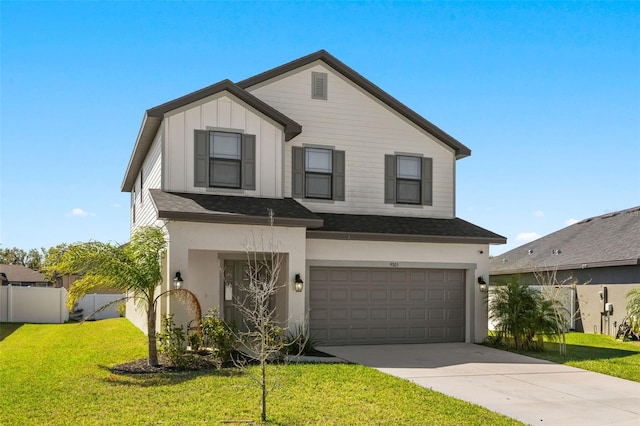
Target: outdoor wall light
(482, 284)
(178, 282)
(298, 283)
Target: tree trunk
(264, 390)
(151, 335)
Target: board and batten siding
(222, 111)
(354, 121)
(151, 169)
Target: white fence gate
(48, 305)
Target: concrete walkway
(533, 391)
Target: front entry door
(236, 282)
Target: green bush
(217, 335)
(172, 342)
(299, 342)
(521, 314)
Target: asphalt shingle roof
(607, 240)
(408, 226)
(228, 208)
(19, 273)
(288, 212)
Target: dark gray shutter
(390, 179)
(297, 176)
(201, 158)
(248, 161)
(338, 175)
(319, 85)
(427, 181)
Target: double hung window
(224, 159)
(408, 180)
(318, 173)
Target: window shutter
(248, 161)
(427, 181)
(201, 158)
(338, 175)
(390, 179)
(297, 176)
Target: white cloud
(80, 213)
(538, 213)
(571, 221)
(527, 236)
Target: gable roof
(395, 228)
(153, 118)
(324, 56)
(612, 239)
(19, 273)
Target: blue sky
(546, 95)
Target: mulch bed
(141, 366)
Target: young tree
(133, 268)
(555, 291)
(260, 337)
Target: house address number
(394, 264)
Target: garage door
(354, 306)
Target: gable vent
(319, 85)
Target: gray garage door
(353, 306)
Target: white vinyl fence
(48, 305)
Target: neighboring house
(67, 280)
(601, 255)
(362, 190)
(18, 275)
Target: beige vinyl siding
(222, 111)
(353, 121)
(151, 168)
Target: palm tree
(633, 309)
(133, 268)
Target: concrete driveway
(533, 391)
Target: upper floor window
(224, 160)
(318, 173)
(408, 180)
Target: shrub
(172, 342)
(633, 309)
(217, 335)
(298, 342)
(520, 314)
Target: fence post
(9, 303)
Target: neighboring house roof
(393, 228)
(232, 209)
(153, 117)
(19, 273)
(288, 212)
(324, 56)
(612, 239)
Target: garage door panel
(377, 306)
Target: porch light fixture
(298, 283)
(178, 282)
(482, 284)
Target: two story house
(361, 189)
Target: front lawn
(59, 374)
(596, 352)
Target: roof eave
(146, 134)
(237, 219)
(371, 236)
(567, 267)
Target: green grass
(59, 374)
(596, 352)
